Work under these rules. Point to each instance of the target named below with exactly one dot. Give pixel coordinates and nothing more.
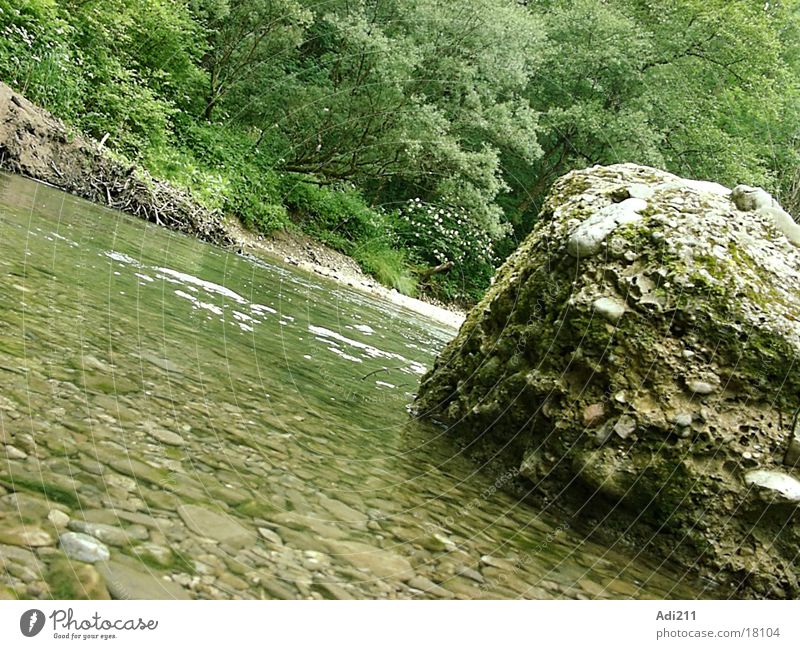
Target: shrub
(435, 235)
(326, 211)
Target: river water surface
(231, 428)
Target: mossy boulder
(642, 348)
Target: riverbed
(230, 427)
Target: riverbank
(38, 145)
(302, 251)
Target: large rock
(643, 346)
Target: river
(232, 428)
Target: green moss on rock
(705, 360)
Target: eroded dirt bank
(36, 144)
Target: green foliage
(323, 211)
(437, 235)
(417, 98)
(246, 40)
(296, 112)
(703, 89)
(35, 55)
(250, 202)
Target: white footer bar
(415, 624)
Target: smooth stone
(433, 543)
(682, 419)
(21, 572)
(625, 426)
(270, 536)
(593, 414)
(640, 191)
(792, 456)
(344, 512)
(108, 534)
(330, 590)
(587, 239)
(166, 437)
(139, 518)
(140, 471)
(278, 590)
(107, 516)
(498, 563)
(217, 526)
(784, 222)
(93, 466)
(749, 199)
(229, 495)
(126, 582)
(83, 547)
(465, 588)
(232, 581)
(14, 554)
(701, 387)
(470, 573)
(161, 362)
(13, 453)
(161, 554)
(427, 586)
(24, 504)
(376, 561)
(89, 362)
(299, 522)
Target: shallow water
(143, 371)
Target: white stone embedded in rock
(787, 486)
(587, 239)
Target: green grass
(62, 583)
(387, 265)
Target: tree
(701, 88)
(412, 98)
(243, 36)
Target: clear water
(282, 401)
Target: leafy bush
(344, 213)
(36, 57)
(436, 235)
(130, 112)
(251, 199)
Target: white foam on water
(122, 258)
(258, 308)
(199, 303)
(211, 287)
